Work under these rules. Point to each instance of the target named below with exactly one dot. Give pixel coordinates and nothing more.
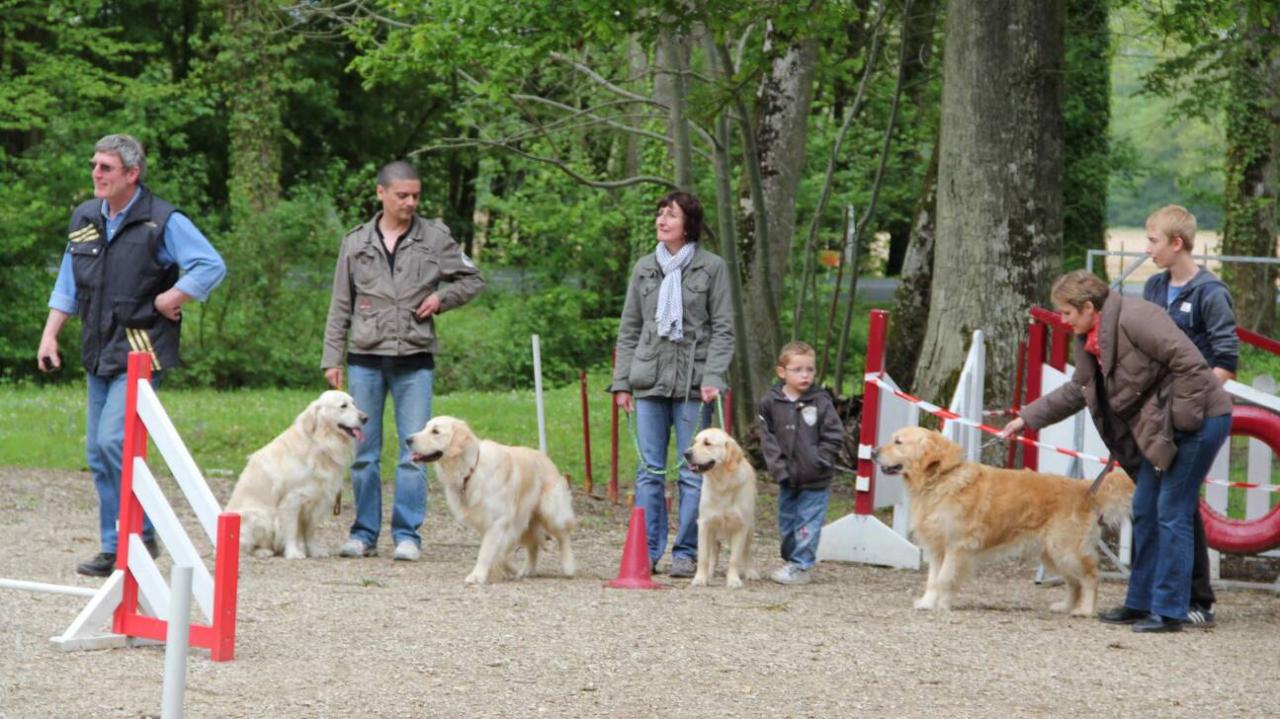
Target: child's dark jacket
(800, 439)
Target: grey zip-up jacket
(651, 366)
(801, 439)
(376, 308)
(1203, 311)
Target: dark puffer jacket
(1153, 381)
(800, 439)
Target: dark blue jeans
(1164, 507)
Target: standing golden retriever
(512, 496)
(961, 510)
(288, 485)
(726, 508)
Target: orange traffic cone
(634, 572)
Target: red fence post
(130, 519)
(226, 573)
(864, 495)
(587, 484)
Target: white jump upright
(135, 599)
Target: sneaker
(1200, 616)
(1156, 623)
(1122, 615)
(406, 551)
(682, 567)
(357, 548)
(791, 574)
(100, 566)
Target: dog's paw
(294, 553)
(1060, 606)
(263, 553)
(753, 575)
(699, 580)
(926, 602)
(318, 553)
(733, 581)
(476, 577)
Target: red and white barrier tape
(944, 413)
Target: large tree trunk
(783, 111)
(1253, 149)
(999, 236)
(672, 62)
(1087, 115)
(911, 302)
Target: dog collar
(470, 472)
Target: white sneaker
(357, 548)
(407, 551)
(791, 574)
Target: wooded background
(993, 141)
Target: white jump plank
(184, 468)
(174, 536)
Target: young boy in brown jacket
(801, 436)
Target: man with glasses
(132, 260)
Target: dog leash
(674, 471)
(1093, 488)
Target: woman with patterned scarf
(675, 342)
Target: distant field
(1134, 239)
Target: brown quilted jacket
(1154, 382)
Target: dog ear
(309, 420)
(732, 454)
(940, 454)
(459, 434)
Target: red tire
(1254, 535)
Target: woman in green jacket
(675, 342)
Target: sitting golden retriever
(726, 508)
(961, 510)
(512, 496)
(288, 485)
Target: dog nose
(875, 451)
(408, 441)
(363, 418)
(688, 455)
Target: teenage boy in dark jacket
(1200, 305)
(801, 436)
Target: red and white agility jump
(135, 599)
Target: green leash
(674, 471)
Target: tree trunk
(999, 236)
(1253, 149)
(251, 60)
(910, 317)
(1087, 115)
(672, 61)
(783, 111)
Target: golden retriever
(512, 496)
(726, 508)
(962, 510)
(288, 485)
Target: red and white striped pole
(865, 486)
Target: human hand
(1223, 375)
(709, 394)
(625, 401)
(169, 303)
(429, 306)
(47, 357)
(1015, 426)
(333, 376)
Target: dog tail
(1114, 498)
(555, 506)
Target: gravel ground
(376, 638)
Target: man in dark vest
(131, 262)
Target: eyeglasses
(802, 370)
(102, 166)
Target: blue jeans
(1164, 506)
(655, 417)
(104, 449)
(411, 392)
(801, 513)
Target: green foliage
(487, 344)
(1087, 114)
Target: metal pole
(47, 588)
(537, 391)
(176, 641)
(587, 484)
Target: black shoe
(152, 548)
(100, 566)
(1156, 623)
(1200, 616)
(1122, 615)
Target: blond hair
(1174, 221)
(793, 349)
(1076, 288)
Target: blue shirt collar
(105, 209)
